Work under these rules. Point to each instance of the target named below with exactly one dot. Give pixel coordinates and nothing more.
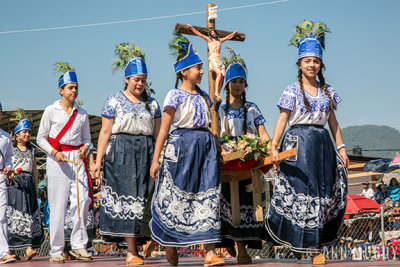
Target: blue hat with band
(68, 77)
(68, 73)
(309, 37)
(234, 71)
(136, 66)
(23, 125)
(189, 60)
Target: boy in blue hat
(64, 135)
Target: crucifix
(212, 75)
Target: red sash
(55, 143)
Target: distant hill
(372, 137)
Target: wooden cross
(184, 29)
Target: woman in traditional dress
(309, 197)
(131, 121)
(186, 200)
(238, 117)
(23, 213)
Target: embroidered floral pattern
(186, 211)
(121, 207)
(308, 211)
(23, 224)
(90, 223)
(23, 159)
(318, 113)
(121, 102)
(200, 117)
(247, 217)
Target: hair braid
(201, 93)
(300, 79)
(324, 88)
(227, 99)
(245, 112)
(178, 78)
(145, 99)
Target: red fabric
(55, 142)
(360, 204)
(239, 165)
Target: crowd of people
(178, 200)
(389, 195)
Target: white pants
(61, 187)
(3, 218)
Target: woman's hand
(155, 167)
(275, 159)
(96, 170)
(343, 155)
(7, 172)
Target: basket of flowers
(249, 148)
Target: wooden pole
(235, 204)
(257, 190)
(211, 81)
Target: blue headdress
(184, 51)
(68, 72)
(23, 122)
(235, 67)
(309, 37)
(130, 58)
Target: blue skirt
(186, 205)
(23, 214)
(309, 198)
(126, 184)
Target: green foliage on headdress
(79, 103)
(179, 46)
(234, 58)
(150, 90)
(308, 28)
(18, 115)
(62, 67)
(125, 52)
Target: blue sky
(362, 52)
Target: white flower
(242, 144)
(248, 150)
(250, 136)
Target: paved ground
(194, 261)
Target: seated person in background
(378, 196)
(367, 192)
(392, 191)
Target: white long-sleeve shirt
(54, 119)
(6, 150)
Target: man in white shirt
(64, 135)
(5, 171)
(367, 192)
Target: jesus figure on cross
(215, 62)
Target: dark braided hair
(322, 83)
(324, 87)
(300, 79)
(245, 112)
(143, 96)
